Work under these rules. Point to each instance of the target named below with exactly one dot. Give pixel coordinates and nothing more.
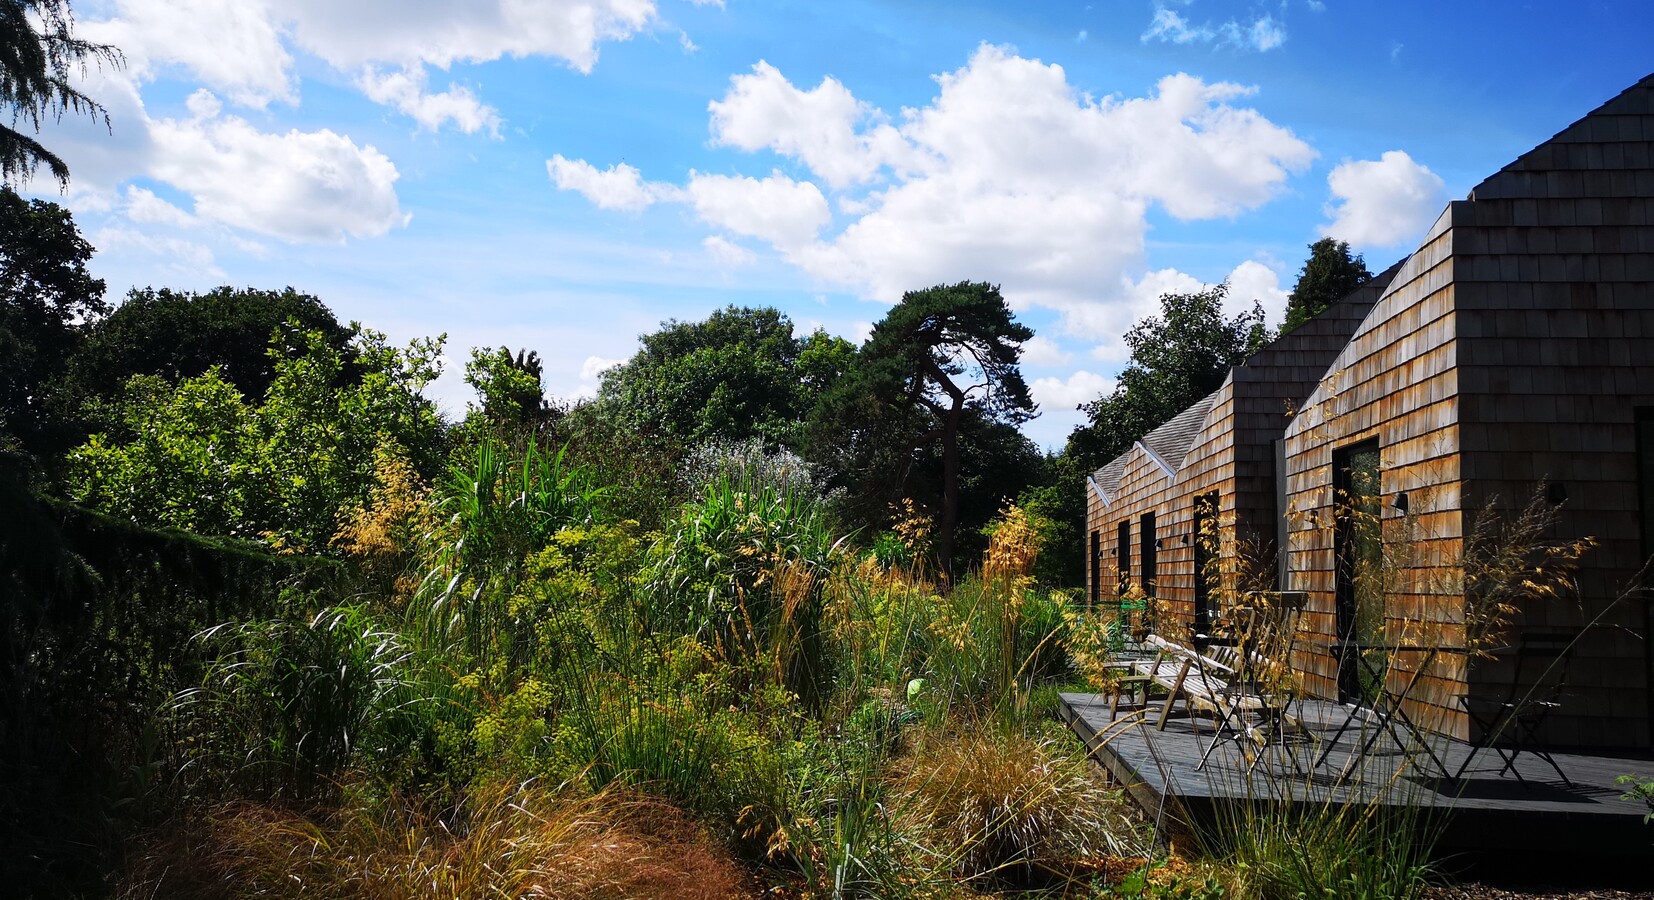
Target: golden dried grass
(510, 841)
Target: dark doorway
(1359, 549)
(1206, 559)
(1146, 547)
(1122, 557)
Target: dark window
(1096, 567)
(1122, 556)
(1146, 540)
(1206, 559)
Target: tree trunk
(950, 492)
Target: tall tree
(738, 375)
(1328, 276)
(942, 356)
(38, 54)
(47, 299)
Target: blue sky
(563, 175)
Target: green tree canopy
(47, 300)
(1177, 357)
(200, 456)
(511, 398)
(1328, 276)
(740, 374)
(177, 335)
(942, 356)
(38, 55)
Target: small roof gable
(1169, 444)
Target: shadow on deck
(1496, 829)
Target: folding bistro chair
(1510, 725)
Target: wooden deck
(1491, 825)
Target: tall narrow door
(1359, 590)
(1206, 560)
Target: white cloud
(1058, 221)
(298, 186)
(1254, 281)
(241, 48)
(1382, 202)
(235, 48)
(144, 207)
(728, 254)
(405, 90)
(101, 158)
(1167, 25)
(777, 209)
(1067, 393)
(591, 374)
(818, 126)
(1041, 351)
(181, 256)
(959, 190)
(441, 33)
(594, 367)
(618, 187)
(1250, 281)
(1262, 34)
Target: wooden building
(1513, 351)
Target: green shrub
(287, 704)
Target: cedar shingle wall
(1555, 272)
(1396, 382)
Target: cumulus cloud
(956, 188)
(350, 35)
(777, 209)
(1140, 298)
(1040, 350)
(142, 206)
(233, 48)
(405, 90)
(618, 187)
(1250, 282)
(591, 373)
(1261, 34)
(728, 254)
(241, 49)
(818, 126)
(298, 186)
(1382, 202)
(1066, 393)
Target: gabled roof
(1619, 119)
(1167, 445)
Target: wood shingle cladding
(1514, 346)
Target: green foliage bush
(285, 705)
(284, 469)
